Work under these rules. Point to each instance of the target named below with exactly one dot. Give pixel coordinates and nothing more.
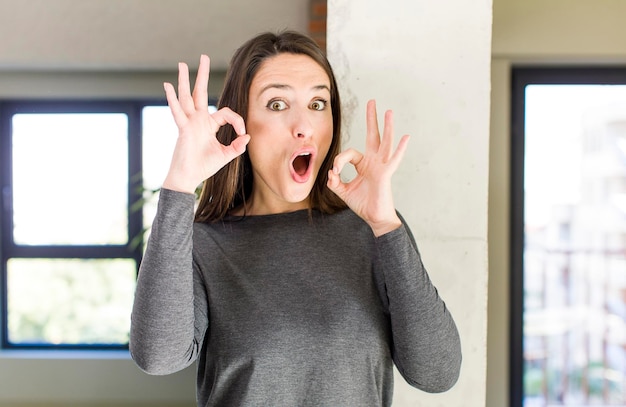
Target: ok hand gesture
(369, 194)
(198, 154)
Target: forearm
(427, 349)
(162, 328)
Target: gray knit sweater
(289, 309)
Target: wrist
(176, 184)
(383, 227)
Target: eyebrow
(284, 86)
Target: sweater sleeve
(166, 333)
(426, 343)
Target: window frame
(521, 76)
(132, 249)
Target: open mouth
(301, 163)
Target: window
(568, 284)
(77, 181)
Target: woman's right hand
(198, 154)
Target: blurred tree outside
(70, 301)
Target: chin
(302, 194)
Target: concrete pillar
(430, 62)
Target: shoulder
(346, 216)
(351, 221)
(347, 227)
(341, 219)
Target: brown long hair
(231, 186)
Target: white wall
(429, 62)
(536, 32)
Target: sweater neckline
(270, 216)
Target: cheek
(326, 136)
(259, 134)
(323, 123)
(323, 151)
(260, 155)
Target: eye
(319, 104)
(277, 105)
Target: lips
(301, 166)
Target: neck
(260, 207)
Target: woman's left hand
(369, 194)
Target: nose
(302, 125)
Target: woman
(290, 287)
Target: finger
(177, 112)
(397, 156)
(238, 146)
(335, 184)
(351, 156)
(372, 140)
(387, 141)
(200, 89)
(226, 115)
(184, 92)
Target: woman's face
(291, 128)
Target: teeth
(303, 154)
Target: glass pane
(70, 179)
(70, 301)
(158, 140)
(159, 136)
(575, 245)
